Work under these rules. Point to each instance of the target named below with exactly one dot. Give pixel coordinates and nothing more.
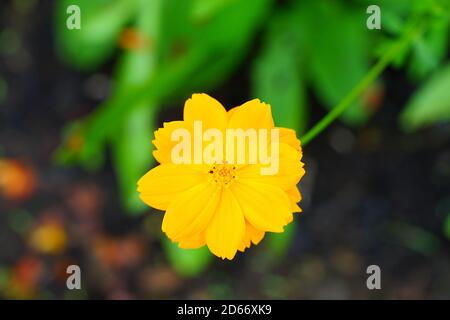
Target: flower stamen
(222, 175)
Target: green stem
(373, 74)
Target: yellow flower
(222, 205)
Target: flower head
(221, 197)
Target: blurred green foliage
(447, 226)
(187, 262)
(102, 23)
(414, 238)
(194, 45)
(431, 103)
(339, 57)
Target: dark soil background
(371, 196)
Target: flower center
(222, 174)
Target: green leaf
(430, 104)
(339, 55)
(132, 152)
(216, 51)
(392, 22)
(279, 243)
(187, 262)
(131, 142)
(215, 46)
(202, 10)
(277, 75)
(414, 238)
(431, 48)
(399, 7)
(101, 24)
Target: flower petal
(194, 241)
(295, 197)
(245, 242)
(290, 170)
(252, 114)
(266, 207)
(252, 235)
(163, 140)
(162, 184)
(255, 235)
(226, 229)
(289, 137)
(202, 107)
(191, 212)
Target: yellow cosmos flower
(224, 206)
